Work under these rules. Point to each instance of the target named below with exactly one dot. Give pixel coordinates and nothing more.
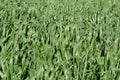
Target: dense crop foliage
(59, 40)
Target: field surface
(59, 39)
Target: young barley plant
(59, 40)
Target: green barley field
(59, 39)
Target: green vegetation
(59, 40)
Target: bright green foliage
(59, 39)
